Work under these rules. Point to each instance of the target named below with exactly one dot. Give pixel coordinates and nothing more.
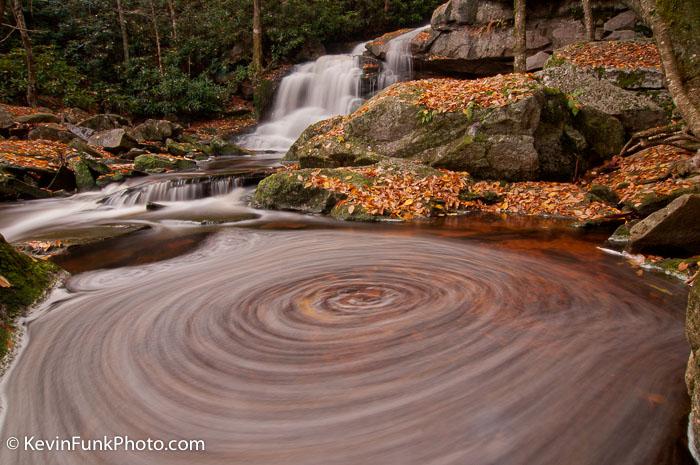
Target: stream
(279, 338)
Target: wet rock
(39, 118)
(692, 377)
(156, 130)
(53, 132)
(113, 140)
(624, 20)
(12, 188)
(287, 191)
(153, 206)
(25, 280)
(671, 231)
(158, 163)
(104, 122)
(86, 170)
(218, 147)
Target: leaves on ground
(612, 54)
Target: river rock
(531, 139)
(113, 140)
(635, 111)
(104, 122)
(672, 231)
(27, 279)
(156, 130)
(37, 118)
(156, 163)
(12, 188)
(53, 132)
(692, 376)
(86, 170)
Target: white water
(315, 91)
(399, 59)
(327, 87)
(174, 190)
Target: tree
(588, 20)
(674, 26)
(156, 33)
(387, 6)
(173, 18)
(27, 44)
(122, 28)
(520, 49)
(257, 40)
(2, 10)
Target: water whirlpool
(326, 347)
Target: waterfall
(399, 59)
(174, 190)
(324, 88)
(314, 91)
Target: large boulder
(23, 281)
(634, 111)
(104, 122)
(113, 140)
(672, 231)
(156, 130)
(510, 128)
(53, 132)
(86, 170)
(692, 375)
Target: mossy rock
(653, 202)
(218, 147)
(12, 189)
(23, 281)
(263, 96)
(158, 163)
(287, 191)
(604, 194)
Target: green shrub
(55, 77)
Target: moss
(28, 278)
(287, 191)
(342, 212)
(154, 163)
(630, 79)
(263, 96)
(554, 61)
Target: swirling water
(295, 343)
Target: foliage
(147, 92)
(56, 78)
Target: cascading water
(174, 190)
(399, 59)
(326, 87)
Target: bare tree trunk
(588, 20)
(27, 43)
(173, 18)
(257, 40)
(156, 32)
(520, 49)
(122, 28)
(387, 6)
